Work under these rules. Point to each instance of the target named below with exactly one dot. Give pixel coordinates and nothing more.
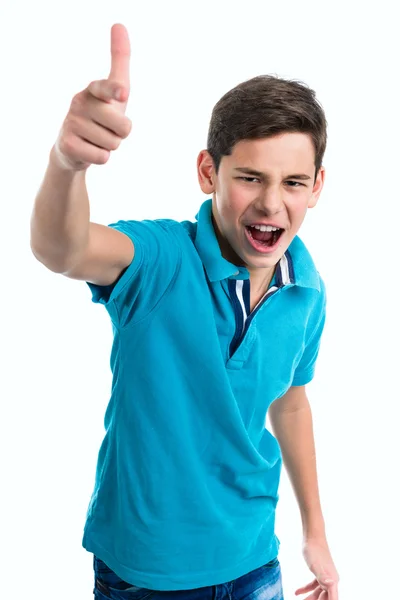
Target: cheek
(237, 200)
(232, 212)
(297, 207)
(232, 203)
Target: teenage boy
(215, 323)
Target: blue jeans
(264, 583)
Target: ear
(206, 172)
(317, 189)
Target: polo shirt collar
(296, 266)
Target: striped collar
(296, 266)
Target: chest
(257, 333)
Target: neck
(260, 279)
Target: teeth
(265, 227)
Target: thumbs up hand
(96, 122)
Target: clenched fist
(96, 121)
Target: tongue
(261, 236)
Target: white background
(56, 379)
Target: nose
(270, 200)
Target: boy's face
(256, 185)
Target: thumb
(120, 55)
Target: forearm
(60, 217)
(294, 431)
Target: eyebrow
(301, 176)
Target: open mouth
(266, 239)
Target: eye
(249, 179)
(296, 183)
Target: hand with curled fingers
(96, 122)
(319, 560)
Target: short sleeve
(142, 285)
(305, 370)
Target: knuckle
(93, 86)
(100, 89)
(69, 122)
(73, 127)
(77, 103)
(68, 144)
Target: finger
(307, 588)
(106, 116)
(316, 595)
(79, 151)
(120, 55)
(332, 593)
(95, 134)
(105, 90)
(330, 588)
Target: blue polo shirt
(187, 476)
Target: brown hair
(265, 106)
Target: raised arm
(62, 236)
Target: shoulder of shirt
(181, 232)
(165, 224)
(179, 228)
